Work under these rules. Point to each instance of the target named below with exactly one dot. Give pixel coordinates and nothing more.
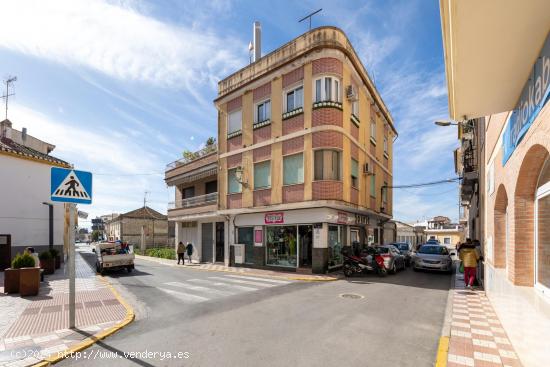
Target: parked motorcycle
(368, 261)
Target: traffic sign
(71, 186)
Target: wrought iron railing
(199, 200)
(193, 156)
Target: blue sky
(123, 87)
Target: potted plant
(55, 254)
(11, 276)
(29, 276)
(47, 262)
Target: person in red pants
(469, 256)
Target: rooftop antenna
(9, 81)
(145, 198)
(309, 17)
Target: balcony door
(207, 238)
(220, 242)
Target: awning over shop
(195, 175)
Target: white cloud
(119, 41)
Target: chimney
(5, 129)
(257, 41)
(24, 135)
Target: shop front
(302, 240)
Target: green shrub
(46, 255)
(161, 252)
(22, 261)
(54, 252)
(137, 251)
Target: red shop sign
(342, 217)
(274, 218)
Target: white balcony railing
(200, 200)
(192, 156)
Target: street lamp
(446, 123)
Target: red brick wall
(354, 131)
(327, 65)
(262, 134)
(354, 151)
(234, 160)
(234, 201)
(499, 239)
(293, 77)
(261, 154)
(235, 143)
(234, 104)
(262, 197)
(354, 196)
(293, 145)
(293, 124)
(372, 203)
(372, 149)
(327, 190)
(261, 92)
(328, 139)
(326, 116)
(293, 193)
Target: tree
(95, 235)
(210, 141)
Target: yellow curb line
(327, 279)
(442, 352)
(89, 341)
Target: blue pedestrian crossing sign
(71, 186)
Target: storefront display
(335, 242)
(281, 246)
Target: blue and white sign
(71, 186)
(534, 96)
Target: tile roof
(143, 212)
(10, 146)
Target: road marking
(257, 284)
(200, 289)
(261, 279)
(225, 285)
(184, 296)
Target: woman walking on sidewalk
(181, 252)
(469, 256)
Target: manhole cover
(351, 296)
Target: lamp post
(50, 212)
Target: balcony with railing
(192, 156)
(194, 205)
(193, 166)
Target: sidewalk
(477, 337)
(36, 328)
(243, 271)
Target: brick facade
(262, 197)
(234, 161)
(293, 193)
(293, 77)
(326, 116)
(293, 145)
(261, 154)
(328, 139)
(354, 131)
(234, 104)
(327, 190)
(262, 134)
(261, 92)
(293, 124)
(234, 201)
(234, 143)
(327, 65)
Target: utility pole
(9, 81)
(309, 17)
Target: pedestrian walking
(469, 256)
(189, 249)
(181, 253)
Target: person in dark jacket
(189, 249)
(181, 252)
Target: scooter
(368, 261)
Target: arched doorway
(523, 261)
(542, 229)
(500, 243)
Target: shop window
(281, 247)
(263, 111)
(262, 175)
(293, 169)
(327, 89)
(234, 122)
(335, 241)
(328, 165)
(354, 173)
(233, 185)
(294, 99)
(245, 236)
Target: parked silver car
(393, 260)
(433, 257)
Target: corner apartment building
(305, 152)
(497, 59)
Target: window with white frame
(234, 121)
(354, 173)
(294, 99)
(262, 175)
(373, 130)
(233, 184)
(328, 165)
(355, 108)
(327, 88)
(491, 178)
(263, 111)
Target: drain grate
(351, 296)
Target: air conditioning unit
(351, 93)
(367, 170)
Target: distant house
(442, 229)
(406, 233)
(27, 216)
(141, 227)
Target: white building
(25, 215)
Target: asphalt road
(220, 319)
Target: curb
(443, 346)
(89, 341)
(442, 352)
(290, 277)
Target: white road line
(257, 284)
(261, 279)
(225, 285)
(191, 298)
(198, 288)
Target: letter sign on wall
(274, 218)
